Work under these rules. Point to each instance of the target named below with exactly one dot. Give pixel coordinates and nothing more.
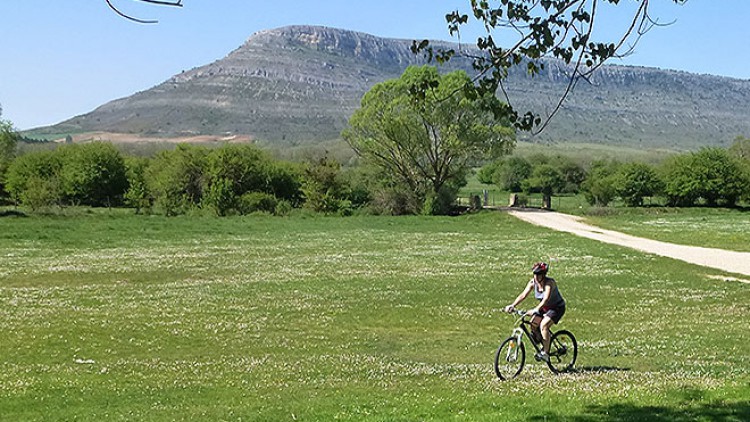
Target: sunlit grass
(709, 227)
(120, 317)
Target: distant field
(110, 316)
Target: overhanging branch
(175, 3)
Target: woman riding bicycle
(550, 309)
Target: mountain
(300, 84)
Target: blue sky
(62, 58)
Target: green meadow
(111, 316)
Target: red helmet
(540, 268)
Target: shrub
(259, 202)
(93, 174)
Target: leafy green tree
(711, 174)
(573, 173)
(284, 181)
(511, 174)
(138, 195)
(600, 186)
(176, 178)
(33, 179)
(8, 142)
(324, 188)
(426, 129)
(635, 181)
(545, 179)
(93, 174)
(486, 173)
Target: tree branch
(175, 3)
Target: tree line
(711, 176)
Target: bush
(28, 171)
(93, 174)
(176, 178)
(634, 181)
(260, 202)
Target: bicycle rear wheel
(509, 359)
(563, 351)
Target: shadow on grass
(691, 405)
(596, 369)
(12, 213)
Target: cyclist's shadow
(595, 369)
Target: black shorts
(555, 314)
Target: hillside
(300, 84)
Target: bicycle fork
(512, 353)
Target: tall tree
(426, 129)
(540, 29)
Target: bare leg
(545, 326)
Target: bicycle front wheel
(563, 351)
(509, 359)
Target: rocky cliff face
(301, 84)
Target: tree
(8, 142)
(636, 181)
(539, 29)
(711, 174)
(512, 173)
(138, 195)
(175, 178)
(34, 179)
(599, 188)
(545, 179)
(93, 174)
(426, 129)
(324, 187)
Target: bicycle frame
(523, 328)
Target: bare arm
(521, 297)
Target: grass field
(710, 227)
(111, 316)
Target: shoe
(541, 356)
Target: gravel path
(729, 261)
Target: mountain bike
(511, 355)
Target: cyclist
(550, 309)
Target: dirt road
(729, 261)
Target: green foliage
(244, 166)
(8, 144)
(600, 188)
(425, 129)
(511, 174)
(324, 188)
(284, 181)
(635, 181)
(138, 195)
(176, 178)
(545, 179)
(39, 171)
(220, 196)
(486, 173)
(93, 174)
(252, 202)
(711, 174)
